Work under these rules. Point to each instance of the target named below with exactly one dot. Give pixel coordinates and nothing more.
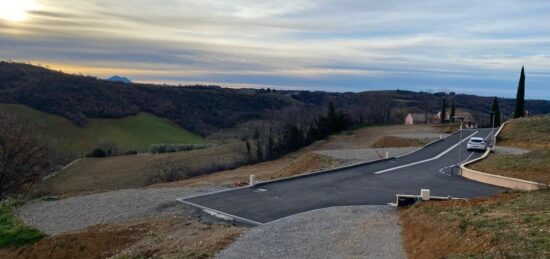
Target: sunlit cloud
(347, 45)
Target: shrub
(170, 148)
(97, 152)
(131, 152)
(168, 172)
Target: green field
(129, 133)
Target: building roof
(418, 116)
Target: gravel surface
(54, 217)
(421, 135)
(336, 232)
(365, 154)
(510, 150)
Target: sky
(474, 47)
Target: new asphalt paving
(370, 184)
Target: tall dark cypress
(495, 112)
(520, 97)
(443, 111)
(453, 111)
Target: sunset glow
(16, 10)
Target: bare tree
(22, 158)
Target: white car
(476, 144)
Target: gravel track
(336, 232)
(55, 217)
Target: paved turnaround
(370, 184)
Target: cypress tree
(520, 97)
(443, 111)
(453, 110)
(495, 111)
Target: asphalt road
(371, 184)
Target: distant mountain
(121, 79)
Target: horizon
(355, 46)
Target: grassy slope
(531, 133)
(510, 225)
(104, 174)
(130, 133)
(12, 231)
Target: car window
(476, 140)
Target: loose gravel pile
(54, 217)
(337, 232)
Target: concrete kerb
(228, 215)
(497, 180)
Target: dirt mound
(392, 141)
(307, 163)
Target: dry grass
(446, 128)
(533, 166)
(283, 167)
(510, 225)
(392, 141)
(366, 137)
(104, 174)
(531, 133)
(174, 237)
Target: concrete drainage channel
(408, 199)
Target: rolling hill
(205, 110)
(135, 132)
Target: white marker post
(387, 154)
(252, 180)
(425, 194)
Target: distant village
(466, 118)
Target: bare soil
(393, 141)
(170, 237)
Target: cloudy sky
(333, 45)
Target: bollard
(252, 180)
(440, 136)
(425, 194)
(387, 154)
